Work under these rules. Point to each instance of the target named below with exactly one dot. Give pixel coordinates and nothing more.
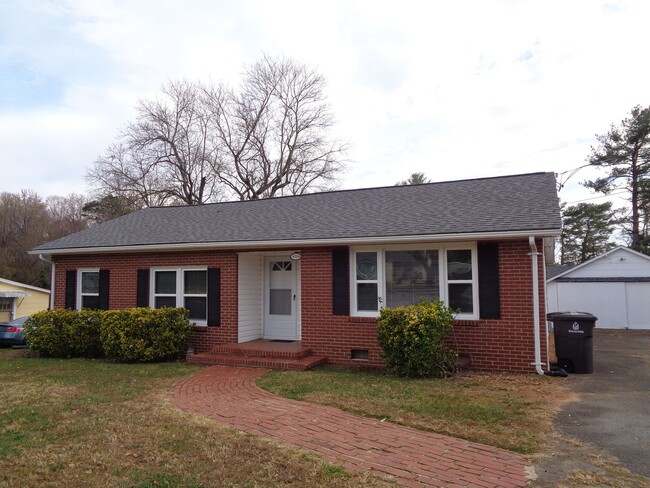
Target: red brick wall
(123, 282)
(506, 344)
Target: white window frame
(474, 281)
(442, 274)
(381, 287)
(180, 288)
(80, 293)
(9, 301)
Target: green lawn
(511, 411)
(92, 423)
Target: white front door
(281, 299)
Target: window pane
(280, 301)
(366, 266)
(198, 307)
(195, 282)
(165, 282)
(161, 302)
(459, 264)
(460, 297)
(5, 303)
(367, 297)
(411, 276)
(91, 301)
(90, 282)
(281, 266)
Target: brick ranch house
(317, 268)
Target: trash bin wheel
(566, 364)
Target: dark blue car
(13, 333)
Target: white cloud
(452, 89)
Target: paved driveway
(614, 409)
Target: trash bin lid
(571, 316)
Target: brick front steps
(260, 354)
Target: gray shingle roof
(552, 270)
(504, 204)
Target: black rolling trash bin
(574, 346)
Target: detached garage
(614, 286)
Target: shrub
(131, 335)
(413, 339)
(144, 335)
(65, 333)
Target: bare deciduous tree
(166, 155)
(203, 143)
(274, 131)
(27, 221)
(65, 214)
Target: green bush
(144, 335)
(130, 335)
(413, 339)
(65, 333)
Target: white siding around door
(281, 298)
(250, 289)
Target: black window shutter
(142, 290)
(488, 280)
(341, 281)
(71, 289)
(214, 297)
(104, 279)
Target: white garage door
(638, 305)
(617, 305)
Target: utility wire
(596, 197)
(562, 181)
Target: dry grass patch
(84, 423)
(611, 476)
(511, 411)
(570, 463)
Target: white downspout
(538, 348)
(52, 277)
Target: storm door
(280, 304)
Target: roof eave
(597, 258)
(23, 285)
(193, 246)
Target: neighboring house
(317, 268)
(614, 286)
(19, 300)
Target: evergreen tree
(414, 179)
(586, 231)
(625, 152)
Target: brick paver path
(413, 457)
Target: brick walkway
(413, 457)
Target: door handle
(294, 298)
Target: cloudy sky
(453, 89)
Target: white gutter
(52, 277)
(536, 323)
(294, 242)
